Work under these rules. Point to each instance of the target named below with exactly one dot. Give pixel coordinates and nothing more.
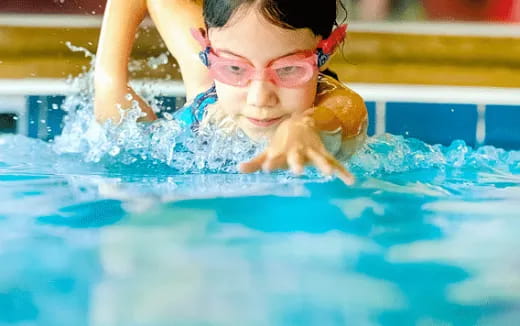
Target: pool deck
(462, 54)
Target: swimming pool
(427, 236)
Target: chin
(258, 135)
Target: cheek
(231, 99)
(298, 99)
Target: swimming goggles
(288, 72)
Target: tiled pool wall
(434, 123)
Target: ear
(200, 35)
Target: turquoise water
(110, 226)
(427, 236)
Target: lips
(264, 122)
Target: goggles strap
(204, 56)
(327, 47)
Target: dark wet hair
(317, 15)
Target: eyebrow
(240, 56)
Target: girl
(261, 73)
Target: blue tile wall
(168, 104)
(8, 123)
(45, 116)
(433, 123)
(371, 108)
(503, 126)
(47, 108)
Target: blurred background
(450, 10)
(371, 10)
(421, 65)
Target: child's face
(259, 107)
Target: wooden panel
(51, 41)
(429, 74)
(367, 57)
(463, 50)
(63, 67)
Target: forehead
(250, 35)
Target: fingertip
(242, 168)
(349, 180)
(297, 170)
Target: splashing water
(153, 144)
(166, 144)
(157, 144)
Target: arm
(173, 19)
(120, 23)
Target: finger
(341, 172)
(296, 161)
(253, 165)
(275, 162)
(344, 175)
(320, 161)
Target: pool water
(427, 236)
(144, 224)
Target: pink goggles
(289, 72)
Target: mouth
(264, 123)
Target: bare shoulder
(333, 93)
(347, 105)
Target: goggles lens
(287, 72)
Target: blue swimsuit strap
(193, 113)
(201, 102)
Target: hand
(295, 143)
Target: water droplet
(115, 150)
(155, 62)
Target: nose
(261, 93)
